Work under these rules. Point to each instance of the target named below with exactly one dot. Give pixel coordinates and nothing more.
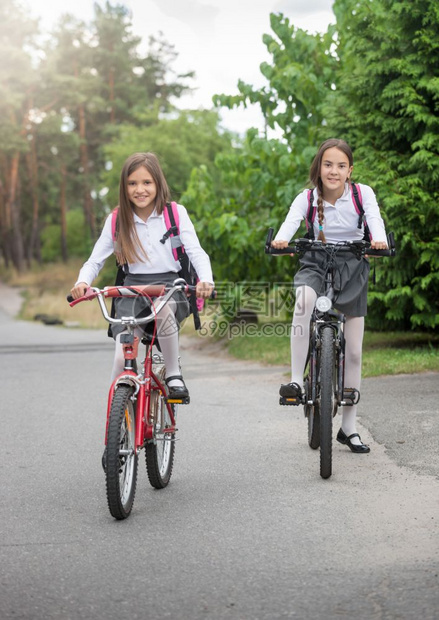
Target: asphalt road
(246, 529)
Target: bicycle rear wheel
(160, 450)
(326, 400)
(120, 457)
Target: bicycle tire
(160, 450)
(326, 399)
(121, 469)
(312, 414)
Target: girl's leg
(305, 301)
(167, 333)
(353, 330)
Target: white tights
(167, 333)
(353, 330)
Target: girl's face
(334, 172)
(142, 192)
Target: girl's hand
(279, 244)
(378, 245)
(79, 290)
(204, 289)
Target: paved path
(247, 529)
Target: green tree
(62, 102)
(386, 105)
(19, 82)
(187, 139)
(252, 187)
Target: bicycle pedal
(284, 400)
(351, 396)
(178, 401)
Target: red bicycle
(139, 413)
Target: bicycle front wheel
(326, 399)
(160, 450)
(121, 457)
(312, 414)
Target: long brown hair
(314, 173)
(129, 246)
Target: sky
(220, 40)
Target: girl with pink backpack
(146, 251)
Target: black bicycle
(324, 389)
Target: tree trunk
(3, 224)
(34, 250)
(63, 205)
(88, 206)
(13, 206)
(111, 97)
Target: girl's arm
(373, 217)
(198, 257)
(102, 250)
(293, 220)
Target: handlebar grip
(391, 251)
(270, 250)
(69, 298)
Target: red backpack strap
(172, 222)
(114, 223)
(357, 199)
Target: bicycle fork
(343, 396)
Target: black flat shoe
(291, 390)
(177, 392)
(290, 394)
(345, 440)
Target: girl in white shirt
(143, 193)
(336, 220)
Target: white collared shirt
(160, 257)
(340, 220)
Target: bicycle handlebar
(148, 290)
(360, 248)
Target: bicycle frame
(147, 381)
(145, 384)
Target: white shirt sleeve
(372, 214)
(294, 218)
(198, 257)
(103, 248)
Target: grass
(384, 353)
(45, 288)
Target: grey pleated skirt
(350, 281)
(139, 306)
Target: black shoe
(291, 394)
(290, 390)
(344, 439)
(177, 392)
